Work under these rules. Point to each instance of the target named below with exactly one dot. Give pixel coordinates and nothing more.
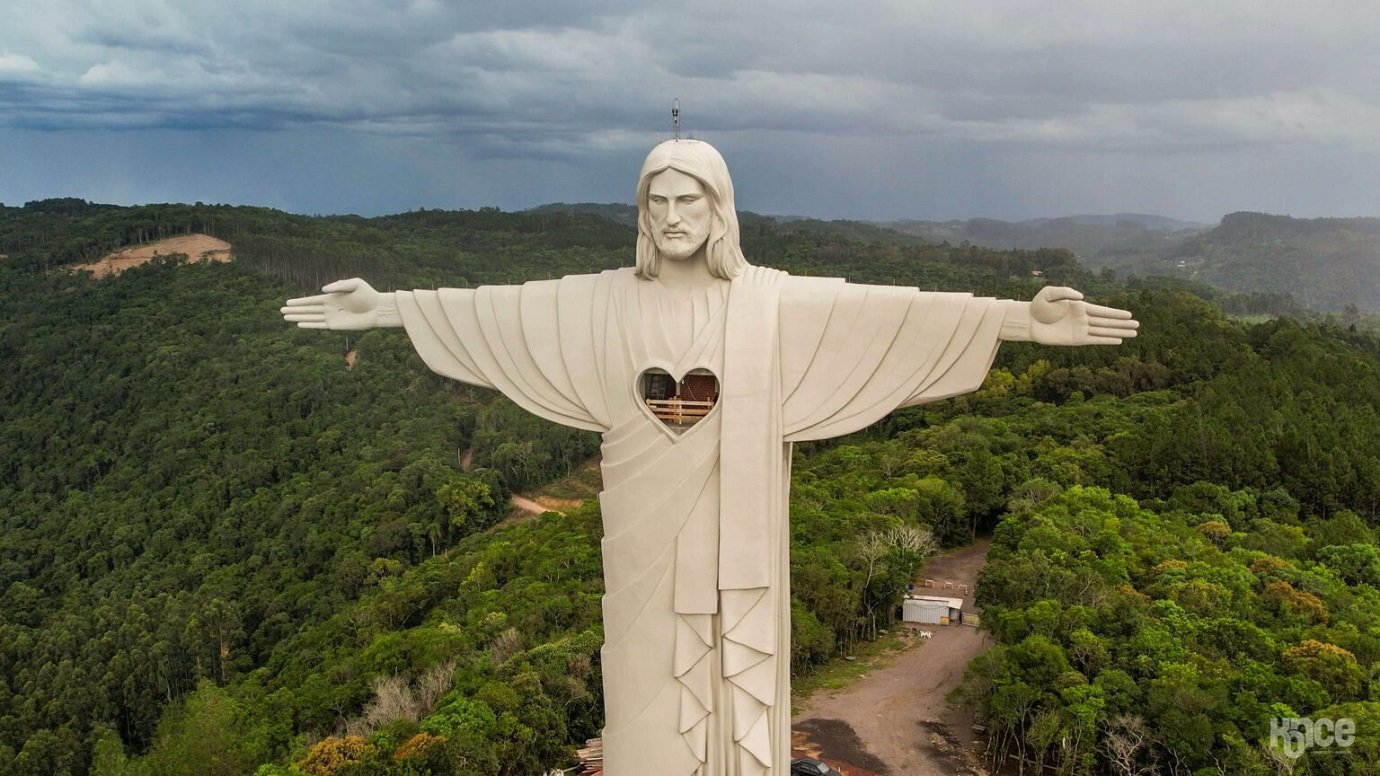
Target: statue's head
(704, 164)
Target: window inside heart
(681, 403)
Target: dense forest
(225, 550)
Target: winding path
(897, 720)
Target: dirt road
(528, 508)
(897, 719)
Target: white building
(931, 609)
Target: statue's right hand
(345, 305)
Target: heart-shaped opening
(678, 404)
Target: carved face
(680, 214)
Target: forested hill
(193, 491)
(223, 550)
(1326, 263)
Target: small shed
(931, 609)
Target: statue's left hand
(1059, 316)
(345, 305)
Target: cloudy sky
(871, 109)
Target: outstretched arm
(1059, 316)
(345, 305)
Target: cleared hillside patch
(197, 247)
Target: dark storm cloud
(1018, 71)
(983, 90)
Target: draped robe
(696, 564)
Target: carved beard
(680, 248)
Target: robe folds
(696, 552)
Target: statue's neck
(686, 276)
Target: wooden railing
(682, 412)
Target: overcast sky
(872, 109)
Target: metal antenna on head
(675, 117)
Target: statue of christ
(697, 589)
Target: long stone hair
(702, 162)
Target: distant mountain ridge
(613, 211)
(1149, 221)
(978, 227)
(1327, 264)
(1087, 236)
(626, 215)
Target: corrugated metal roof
(953, 603)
